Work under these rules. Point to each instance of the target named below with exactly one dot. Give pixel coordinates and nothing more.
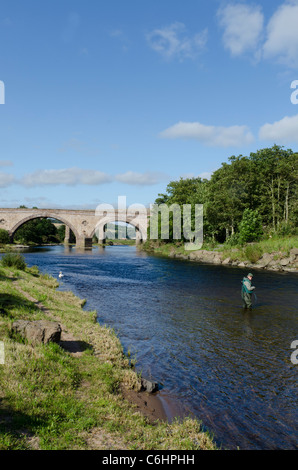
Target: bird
(61, 275)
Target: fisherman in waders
(247, 290)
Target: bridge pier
(67, 235)
(139, 238)
(101, 236)
(84, 242)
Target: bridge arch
(42, 215)
(141, 229)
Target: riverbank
(273, 255)
(82, 393)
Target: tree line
(245, 198)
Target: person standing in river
(247, 290)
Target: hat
(250, 275)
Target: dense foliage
(245, 197)
(37, 231)
(4, 236)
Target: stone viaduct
(83, 223)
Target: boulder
(40, 331)
(294, 252)
(285, 261)
(149, 386)
(265, 260)
(242, 264)
(226, 261)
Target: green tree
(37, 231)
(188, 191)
(250, 226)
(228, 196)
(275, 173)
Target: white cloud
(141, 179)
(283, 131)
(172, 42)
(6, 180)
(68, 177)
(242, 25)
(217, 136)
(282, 35)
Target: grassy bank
(251, 252)
(52, 398)
(254, 251)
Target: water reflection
(229, 367)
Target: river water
(185, 324)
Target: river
(184, 322)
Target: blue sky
(105, 99)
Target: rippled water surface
(184, 322)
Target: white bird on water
(61, 275)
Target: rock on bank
(275, 261)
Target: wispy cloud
(71, 27)
(78, 146)
(79, 177)
(174, 42)
(242, 27)
(6, 180)
(5, 163)
(283, 131)
(120, 36)
(217, 136)
(68, 177)
(148, 178)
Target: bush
(253, 253)
(234, 240)
(250, 226)
(4, 237)
(14, 260)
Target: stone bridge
(83, 223)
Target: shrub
(250, 226)
(14, 260)
(253, 253)
(234, 240)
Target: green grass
(52, 400)
(251, 252)
(254, 251)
